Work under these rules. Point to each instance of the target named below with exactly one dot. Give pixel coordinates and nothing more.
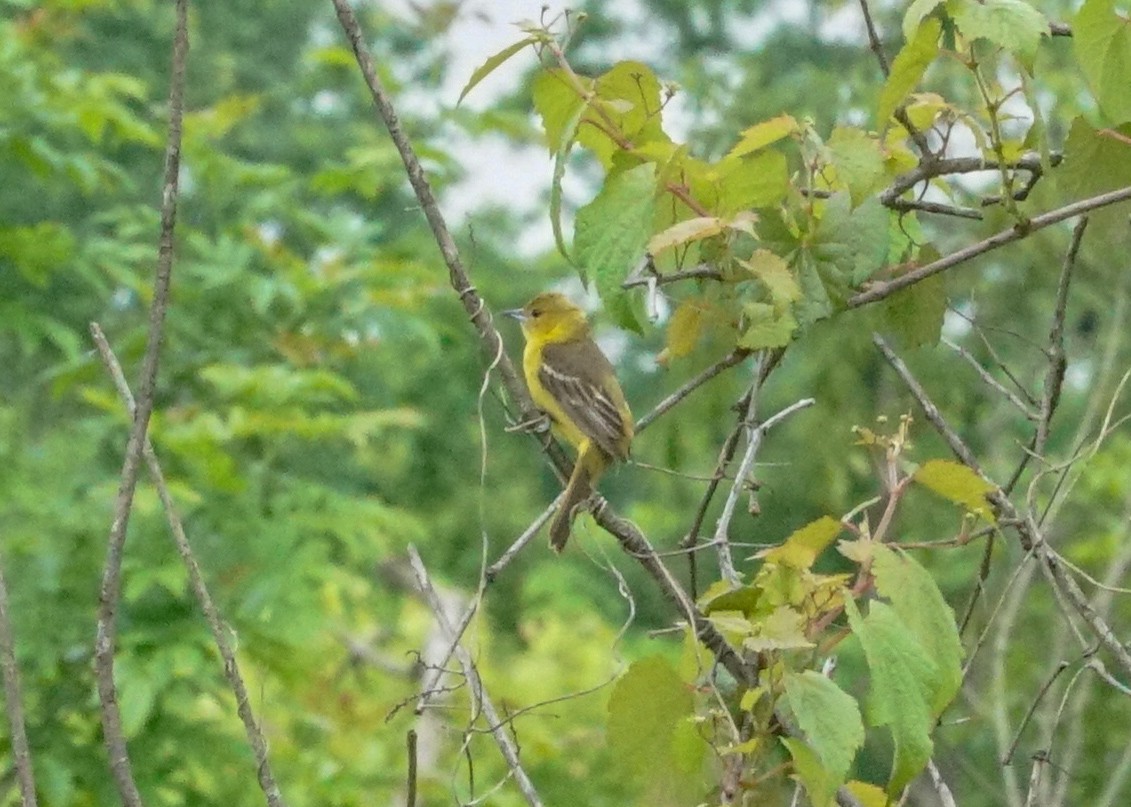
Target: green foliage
(1102, 43)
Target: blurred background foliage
(320, 404)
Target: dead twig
(13, 702)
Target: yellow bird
(572, 381)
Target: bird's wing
(572, 372)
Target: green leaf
(856, 241)
(681, 232)
(907, 68)
(900, 696)
(626, 99)
(559, 106)
(493, 62)
(782, 629)
(773, 273)
(1101, 38)
(763, 134)
(766, 326)
(611, 232)
(915, 314)
(858, 160)
(561, 158)
(758, 181)
(647, 706)
(915, 14)
(1093, 164)
(830, 719)
(915, 596)
(1011, 24)
(801, 548)
(819, 782)
(959, 484)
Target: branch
(1028, 532)
(13, 701)
(984, 374)
(879, 291)
(498, 728)
(703, 271)
(196, 581)
(754, 441)
(111, 576)
(632, 540)
(736, 356)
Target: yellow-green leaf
(803, 546)
(681, 232)
(959, 484)
(763, 134)
(908, 67)
(685, 328)
(774, 273)
(493, 62)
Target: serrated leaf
(763, 134)
(1011, 24)
(907, 68)
(959, 484)
(830, 719)
(626, 99)
(914, 315)
(858, 160)
(856, 241)
(647, 707)
(915, 14)
(773, 272)
(801, 548)
(819, 782)
(492, 63)
(557, 103)
(681, 232)
(685, 328)
(781, 629)
(722, 597)
(1101, 38)
(899, 693)
(868, 794)
(1094, 164)
(761, 180)
(611, 232)
(766, 326)
(915, 596)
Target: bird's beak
(515, 313)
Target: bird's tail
(589, 465)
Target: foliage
(321, 404)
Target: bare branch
(754, 441)
(13, 701)
(984, 374)
(497, 726)
(879, 291)
(736, 356)
(703, 271)
(1054, 378)
(196, 580)
(946, 798)
(111, 576)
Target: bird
(574, 383)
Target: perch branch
(13, 702)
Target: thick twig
(946, 798)
(13, 702)
(880, 291)
(754, 441)
(736, 356)
(497, 727)
(111, 576)
(196, 580)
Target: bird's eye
(535, 312)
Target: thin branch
(110, 589)
(984, 374)
(879, 291)
(736, 356)
(13, 701)
(1060, 668)
(498, 727)
(1054, 378)
(1028, 532)
(196, 580)
(410, 741)
(703, 271)
(754, 442)
(946, 798)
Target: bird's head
(551, 316)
